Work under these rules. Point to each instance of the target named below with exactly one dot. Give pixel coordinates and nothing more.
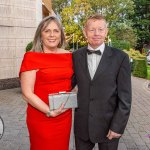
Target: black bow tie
(98, 52)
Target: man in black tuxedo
(102, 74)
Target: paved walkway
(136, 136)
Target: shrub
(121, 44)
(29, 46)
(134, 54)
(140, 68)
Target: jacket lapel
(83, 62)
(104, 63)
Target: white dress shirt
(93, 59)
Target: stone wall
(18, 21)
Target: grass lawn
(148, 72)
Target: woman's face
(51, 36)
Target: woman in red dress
(45, 70)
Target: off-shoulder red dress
(53, 75)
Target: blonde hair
(94, 17)
(37, 43)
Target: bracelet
(48, 114)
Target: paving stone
(122, 146)
(24, 147)
(140, 147)
(139, 141)
(132, 130)
(127, 138)
(148, 145)
(132, 149)
(130, 145)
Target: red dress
(53, 75)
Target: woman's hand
(58, 111)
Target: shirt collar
(101, 47)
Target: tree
(141, 20)
(73, 17)
(59, 5)
(116, 12)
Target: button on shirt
(93, 60)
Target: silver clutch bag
(68, 98)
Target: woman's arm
(27, 85)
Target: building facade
(18, 22)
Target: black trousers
(88, 145)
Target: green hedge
(29, 46)
(140, 68)
(134, 54)
(121, 44)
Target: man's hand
(112, 135)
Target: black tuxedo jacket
(103, 102)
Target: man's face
(95, 32)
